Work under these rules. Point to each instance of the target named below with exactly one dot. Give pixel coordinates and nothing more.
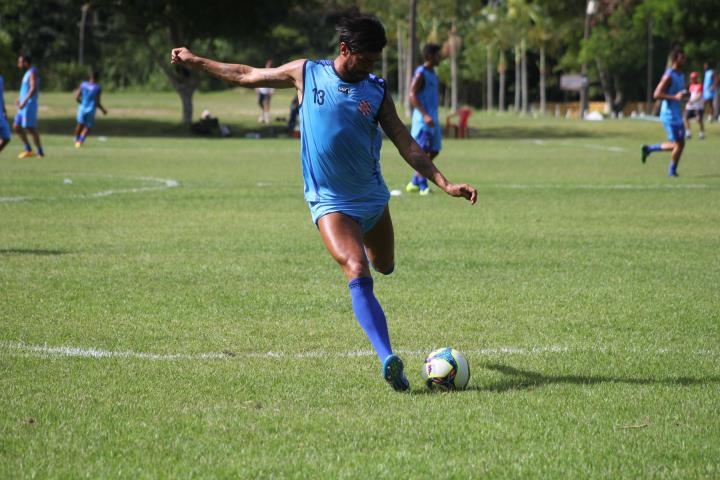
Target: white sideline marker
(165, 183)
(19, 349)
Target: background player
(671, 90)
(264, 96)
(694, 107)
(342, 105)
(4, 126)
(709, 90)
(88, 96)
(424, 95)
(26, 118)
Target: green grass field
(199, 329)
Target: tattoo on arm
(406, 145)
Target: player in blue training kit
(88, 96)
(671, 90)
(27, 115)
(424, 97)
(710, 84)
(341, 106)
(4, 125)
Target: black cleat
(644, 152)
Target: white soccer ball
(446, 369)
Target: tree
(159, 25)
(542, 34)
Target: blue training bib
(340, 136)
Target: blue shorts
(366, 214)
(27, 117)
(708, 94)
(4, 128)
(85, 118)
(429, 138)
(675, 131)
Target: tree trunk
(411, 52)
(401, 64)
(186, 97)
(490, 79)
(517, 78)
(619, 99)
(502, 68)
(605, 83)
(454, 43)
(523, 48)
(384, 63)
(542, 80)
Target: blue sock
(81, 138)
(77, 138)
(415, 179)
(422, 183)
(654, 148)
(672, 171)
(41, 152)
(28, 148)
(370, 315)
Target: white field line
(599, 186)
(165, 183)
(45, 351)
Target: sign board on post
(573, 82)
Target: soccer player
(341, 106)
(671, 90)
(4, 126)
(709, 89)
(26, 118)
(264, 96)
(694, 107)
(424, 93)
(88, 96)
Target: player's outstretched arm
(414, 155)
(284, 76)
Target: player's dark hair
(27, 57)
(676, 52)
(361, 32)
(95, 74)
(430, 49)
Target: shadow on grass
(517, 379)
(31, 251)
(152, 127)
(532, 132)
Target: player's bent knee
(385, 270)
(355, 268)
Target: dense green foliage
(582, 287)
(128, 40)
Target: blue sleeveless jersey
(340, 137)
(708, 90)
(670, 111)
(25, 88)
(428, 96)
(89, 93)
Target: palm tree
(519, 13)
(541, 35)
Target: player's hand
(180, 56)
(681, 95)
(428, 120)
(462, 190)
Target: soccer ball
(446, 369)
